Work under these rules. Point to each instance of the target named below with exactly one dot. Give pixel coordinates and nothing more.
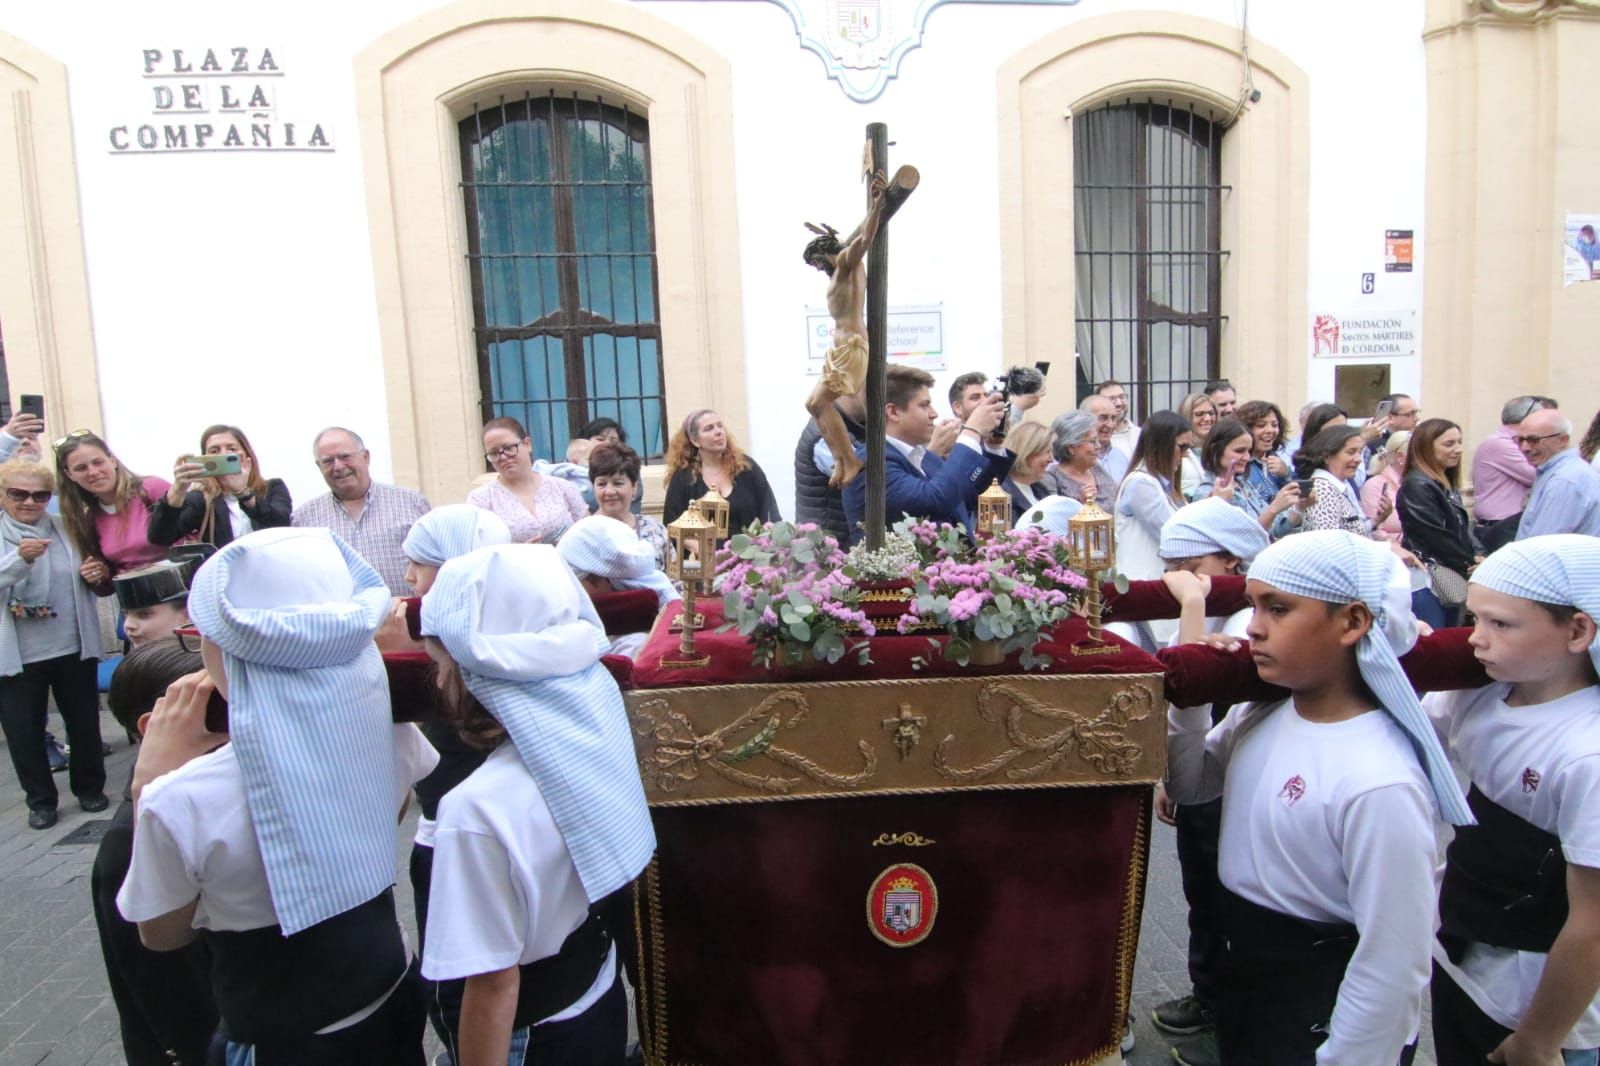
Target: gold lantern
(994, 510)
(1092, 549)
(715, 510)
(694, 544)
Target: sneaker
(41, 818)
(1201, 1051)
(53, 752)
(1127, 1035)
(1182, 1017)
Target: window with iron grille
(561, 244)
(1147, 199)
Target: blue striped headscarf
(1558, 568)
(1212, 525)
(455, 529)
(528, 643)
(1338, 567)
(604, 546)
(1050, 514)
(294, 611)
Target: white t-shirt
(1541, 763)
(505, 891)
(193, 837)
(1331, 822)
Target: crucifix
(858, 273)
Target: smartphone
(1304, 484)
(1384, 407)
(1043, 369)
(217, 465)
(31, 403)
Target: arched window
(561, 245)
(1147, 218)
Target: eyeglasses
(188, 638)
(328, 462)
(1536, 440)
(77, 434)
(23, 495)
(508, 451)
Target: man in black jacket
(815, 500)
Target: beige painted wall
(1265, 158)
(1513, 145)
(416, 82)
(44, 291)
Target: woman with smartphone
(1224, 458)
(107, 509)
(226, 496)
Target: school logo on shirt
(902, 904)
(1530, 780)
(1292, 790)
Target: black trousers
(1499, 533)
(391, 1036)
(24, 704)
(1199, 828)
(597, 1037)
(1462, 1034)
(444, 997)
(163, 998)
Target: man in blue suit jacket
(917, 482)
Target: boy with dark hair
(1327, 839)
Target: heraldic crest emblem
(902, 904)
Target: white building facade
(400, 216)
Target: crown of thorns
(824, 244)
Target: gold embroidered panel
(751, 743)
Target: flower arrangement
(796, 595)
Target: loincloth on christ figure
(844, 368)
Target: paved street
(55, 1010)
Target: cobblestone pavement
(55, 1009)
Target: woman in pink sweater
(1387, 472)
(106, 509)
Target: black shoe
(53, 752)
(95, 803)
(41, 817)
(1201, 1051)
(105, 750)
(1182, 1017)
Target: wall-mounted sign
(1364, 334)
(1580, 249)
(915, 336)
(215, 100)
(1398, 250)
(1368, 283)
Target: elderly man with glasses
(371, 517)
(1566, 490)
(1501, 477)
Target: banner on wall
(1364, 334)
(916, 337)
(1580, 249)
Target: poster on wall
(916, 337)
(1399, 247)
(1364, 334)
(1580, 250)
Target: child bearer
(1327, 845)
(155, 602)
(1206, 539)
(1517, 963)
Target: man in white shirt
(1125, 432)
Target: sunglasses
(23, 495)
(77, 434)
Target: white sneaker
(1127, 1036)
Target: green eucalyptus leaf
(800, 631)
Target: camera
(1018, 381)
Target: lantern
(994, 511)
(1092, 549)
(715, 510)
(694, 544)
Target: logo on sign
(902, 905)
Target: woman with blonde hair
(1385, 474)
(1201, 413)
(1028, 483)
(49, 644)
(106, 508)
(702, 456)
(219, 509)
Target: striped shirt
(377, 533)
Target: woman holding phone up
(1224, 459)
(219, 508)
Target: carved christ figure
(844, 370)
